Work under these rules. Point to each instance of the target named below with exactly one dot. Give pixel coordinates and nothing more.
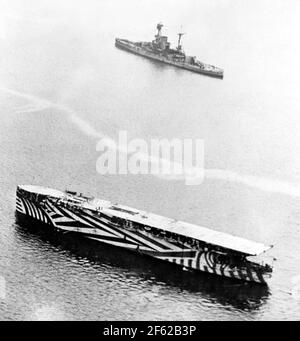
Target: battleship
(160, 49)
(191, 247)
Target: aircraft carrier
(192, 247)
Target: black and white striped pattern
(99, 226)
(30, 209)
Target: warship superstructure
(160, 49)
(189, 246)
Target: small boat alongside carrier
(189, 246)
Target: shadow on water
(224, 291)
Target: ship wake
(261, 183)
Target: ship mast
(180, 34)
(159, 27)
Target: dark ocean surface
(64, 85)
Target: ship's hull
(122, 44)
(101, 228)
